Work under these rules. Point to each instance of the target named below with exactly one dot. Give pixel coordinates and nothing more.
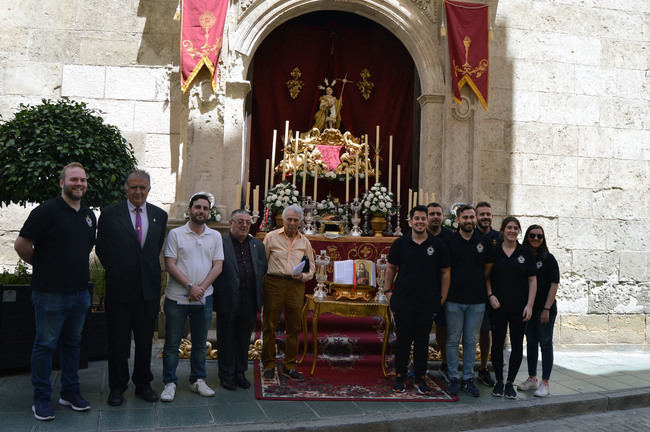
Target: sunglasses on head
(536, 236)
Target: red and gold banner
(468, 28)
(201, 36)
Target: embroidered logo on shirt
(521, 259)
(430, 250)
(480, 248)
(539, 265)
(89, 221)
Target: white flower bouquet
(378, 201)
(281, 196)
(329, 207)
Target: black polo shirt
(63, 239)
(418, 279)
(493, 235)
(468, 259)
(444, 233)
(548, 272)
(509, 277)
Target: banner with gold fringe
(468, 28)
(202, 27)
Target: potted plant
(378, 205)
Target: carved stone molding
(431, 98)
(462, 111)
(430, 9)
(244, 5)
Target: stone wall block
(491, 135)
(50, 14)
(592, 142)
(565, 139)
(500, 73)
(619, 204)
(151, 117)
(14, 40)
(576, 233)
(550, 170)
(132, 83)
(116, 113)
(633, 84)
(55, 46)
(596, 265)
(627, 235)
(158, 150)
(572, 295)
(496, 167)
(628, 143)
(541, 76)
(629, 175)
(550, 201)
(115, 50)
(621, 24)
(163, 183)
(615, 298)
(529, 137)
(14, 216)
(569, 109)
(583, 329)
(563, 256)
(83, 81)
(624, 54)
(626, 329)
(633, 266)
(595, 81)
(548, 47)
(137, 140)
(9, 104)
(32, 79)
(593, 173)
(623, 113)
(8, 256)
(527, 106)
(495, 194)
(98, 15)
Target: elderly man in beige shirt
(285, 248)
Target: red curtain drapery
(331, 45)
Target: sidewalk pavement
(584, 381)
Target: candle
(248, 192)
(286, 148)
(356, 178)
(315, 182)
(433, 196)
(421, 195)
(390, 164)
(377, 151)
(304, 174)
(415, 198)
(295, 159)
(238, 196)
(398, 183)
(266, 177)
(275, 139)
(408, 209)
(366, 174)
(347, 186)
(256, 197)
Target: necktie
(138, 224)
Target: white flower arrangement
(215, 216)
(450, 220)
(281, 196)
(329, 207)
(379, 201)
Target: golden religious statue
(328, 115)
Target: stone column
(431, 143)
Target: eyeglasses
(536, 236)
(243, 222)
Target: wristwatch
(189, 286)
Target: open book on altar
(354, 272)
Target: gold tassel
(177, 15)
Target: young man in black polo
(422, 266)
(435, 228)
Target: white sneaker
(543, 390)
(201, 388)
(530, 384)
(168, 392)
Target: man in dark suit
(130, 236)
(237, 299)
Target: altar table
(344, 308)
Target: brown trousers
(279, 294)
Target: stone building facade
(565, 142)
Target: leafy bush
(19, 276)
(40, 140)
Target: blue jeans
(463, 320)
(175, 317)
(538, 334)
(59, 319)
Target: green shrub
(19, 276)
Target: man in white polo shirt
(194, 259)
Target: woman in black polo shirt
(511, 291)
(539, 331)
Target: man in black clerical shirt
(237, 299)
(422, 266)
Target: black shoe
(510, 392)
(293, 374)
(115, 398)
(228, 384)
(146, 393)
(453, 386)
(399, 386)
(422, 387)
(485, 378)
(497, 391)
(469, 387)
(269, 373)
(242, 382)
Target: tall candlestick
(295, 159)
(238, 197)
(347, 186)
(266, 177)
(377, 151)
(367, 152)
(421, 197)
(433, 196)
(285, 159)
(275, 139)
(256, 198)
(304, 175)
(398, 183)
(315, 182)
(410, 200)
(356, 177)
(415, 198)
(390, 164)
(248, 192)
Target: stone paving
(587, 382)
